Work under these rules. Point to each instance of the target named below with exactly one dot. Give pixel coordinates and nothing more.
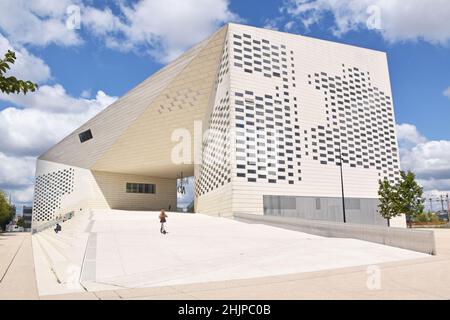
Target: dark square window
(85, 136)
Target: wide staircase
(59, 256)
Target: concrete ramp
(109, 249)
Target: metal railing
(52, 223)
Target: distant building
(443, 215)
(27, 216)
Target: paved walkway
(125, 250)
(18, 280)
(427, 278)
(413, 279)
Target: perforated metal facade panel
(49, 190)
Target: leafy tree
(21, 222)
(12, 84)
(404, 198)
(388, 202)
(409, 195)
(6, 211)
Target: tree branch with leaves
(410, 195)
(388, 202)
(6, 211)
(12, 84)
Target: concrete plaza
(122, 255)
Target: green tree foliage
(6, 211)
(12, 84)
(21, 222)
(388, 206)
(404, 198)
(410, 195)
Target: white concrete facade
(280, 110)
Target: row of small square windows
(265, 139)
(370, 92)
(255, 56)
(267, 118)
(363, 122)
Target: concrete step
(56, 240)
(68, 240)
(73, 249)
(59, 256)
(66, 264)
(50, 248)
(53, 277)
(64, 236)
(53, 258)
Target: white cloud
(16, 172)
(37, 120)
(289, 25)
(33, 129)
(27, 66)
(24, 195)
(163, 28)
(37, 22)
(396, 20)
(447, 92)
(56, 100)
(28, 131)
(86, 93)
(430, 160)
(408, 135)
(271, 24)
(101, 22)
(17, 177)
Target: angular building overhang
(133, 135)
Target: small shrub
(422, 217)
(433, 218)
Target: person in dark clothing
(162, 220)
(58, 228)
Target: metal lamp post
(448, 206)
(342, 182)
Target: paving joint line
(12, 260)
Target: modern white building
(262, 120)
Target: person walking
(162, 219)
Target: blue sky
(117, 44)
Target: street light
(448, 207)
(342, 182)
(442, 202)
